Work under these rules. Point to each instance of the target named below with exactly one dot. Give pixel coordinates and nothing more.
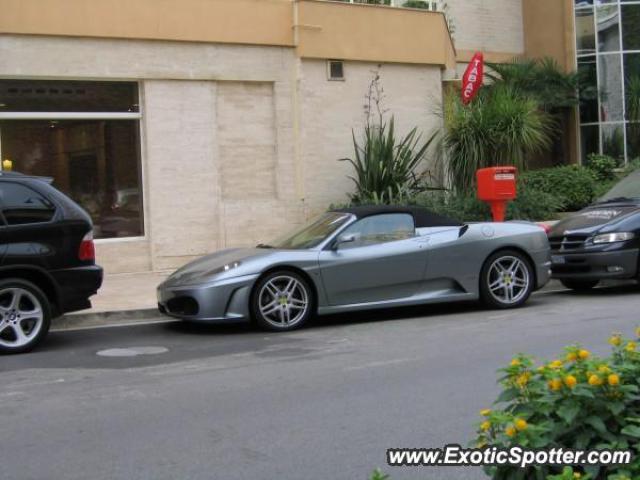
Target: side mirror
(348, 238)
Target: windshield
(312, 234)
(628, 187)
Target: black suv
(47, 259)
(600, 242)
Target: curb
(107, 318)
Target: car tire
(21, 329)
(506, 280)
(580, 285)
(281, 301)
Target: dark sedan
(47, 259)
(600, 242)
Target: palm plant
(539, 79)
(386, 168)
(501, 127)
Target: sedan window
(380, 229)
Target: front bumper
(216, 301)
(616, 264)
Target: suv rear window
(23, 205)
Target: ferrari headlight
(613, 237)
(224, 268)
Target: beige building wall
(492, 26)
(329, 110)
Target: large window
(608, 49)
(85, 135)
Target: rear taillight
(87, 252)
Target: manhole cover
(132, 351)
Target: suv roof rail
(19, 175)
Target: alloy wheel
(21, 317)
(283, 301)
(508, 280)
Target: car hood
(592, 219)
(206, 267)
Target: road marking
(380, 364)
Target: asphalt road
(322, 403)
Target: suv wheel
(282, 301)
(25, 316)
(506, 280)
(579, 285)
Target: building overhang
(315, 28)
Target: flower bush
(577, 401)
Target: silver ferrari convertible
(361, 258)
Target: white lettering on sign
(504, 176)
(472, 79)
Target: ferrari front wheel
(281, 301)
(506, 280)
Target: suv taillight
(87, 252)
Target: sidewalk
(122, 297)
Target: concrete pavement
(324, 402)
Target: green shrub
(573, 185)
(534, 205)
(602, 166)
(577, 402)
(386, 168)
(530, 205)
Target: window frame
(137, 116)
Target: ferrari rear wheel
(282, 301)
(506, 280)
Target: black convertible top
(421, 216)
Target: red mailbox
(496, 186)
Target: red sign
(472, 78)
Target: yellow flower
(556, 364)
(523, 379)
(572, 356)
(616, 340)
(510, 431)
(570, 381)
(613, 379)
(595, 380)
(515, 362)
(577, 475)
(638, 332)
(485, 412)
(583, 354)
(631, 347)
(484, 426)
(555, 384)
(521, 424)
(603, 369)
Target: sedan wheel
(282, 301)
(24, 316)
(506, 280)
